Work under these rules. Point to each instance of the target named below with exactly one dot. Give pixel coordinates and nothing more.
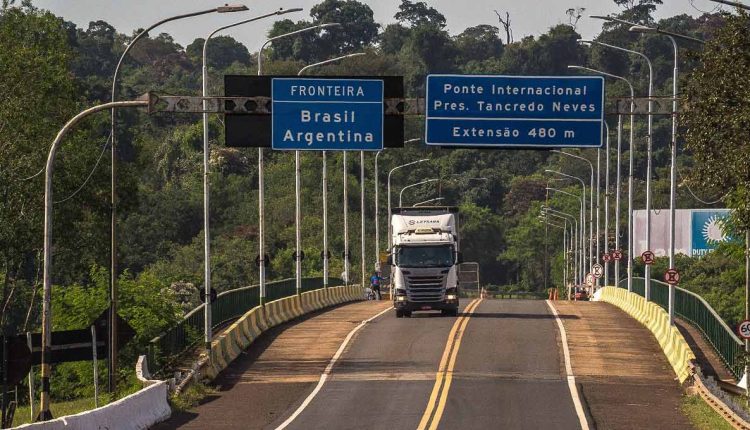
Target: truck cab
(424, 260)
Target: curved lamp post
(649, 148)
(390, 239)
(112, 382)
(377, 204)
(583, 214)
(574, 237)
(583, 248)
(401, 194)
(207, 323)
(261, 184)
(630, 182)
(591, 207)
(346, 208)
(46, 341)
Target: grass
(58, 409)
(191, 397)
(702, 415)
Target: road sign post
(514, 111)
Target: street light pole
(46, 341)
(673, 164)
(606, 204)
(377, 221)
(362, 216)
(346, 221)
(591, 206)
(428, 201)
(207, 322)
(631, 234)
(112, 381)
(390, 239)
(298, 191)
(401, 194)
(649, 151)
(574, 237)
(377, 204)
(261, 185)
(582, 200)
(583, 214)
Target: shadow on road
(521, 316)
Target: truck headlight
(450, 297)
(400, 298)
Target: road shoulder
(623, 375)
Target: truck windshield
(425, 256)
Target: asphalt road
(507, 374)
(500, 364)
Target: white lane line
(328, 369)
(569, 370)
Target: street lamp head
(606, 18)
(643, 29)
(583, 42)
(227, 8)
(331, 24)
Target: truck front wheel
(399, 313)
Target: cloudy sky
(528, 17)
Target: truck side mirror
(459, 258)
(389, 260)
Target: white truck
(424, 260)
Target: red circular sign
(672, 277)
(648, 257)
(743, 330)
(617, 255)
(607, 258)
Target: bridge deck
(508, 372)
(624, 376)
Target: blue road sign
(515, 111)
(327, 114)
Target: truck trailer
(424, 259)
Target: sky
(528, 17)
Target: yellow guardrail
(656, 319)
(238, 337)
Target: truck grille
(425, 288)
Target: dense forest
(50, 69)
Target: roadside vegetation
(702, 415)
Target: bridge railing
(228, 306)
(694, 309)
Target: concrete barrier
(656, 319)
(137, 411)
(226, 347)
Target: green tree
(222, 52)
(418, 14)
(717, 118)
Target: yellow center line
(444, 375)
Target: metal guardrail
(228, 306)
(694, 309)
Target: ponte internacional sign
(514, 111)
